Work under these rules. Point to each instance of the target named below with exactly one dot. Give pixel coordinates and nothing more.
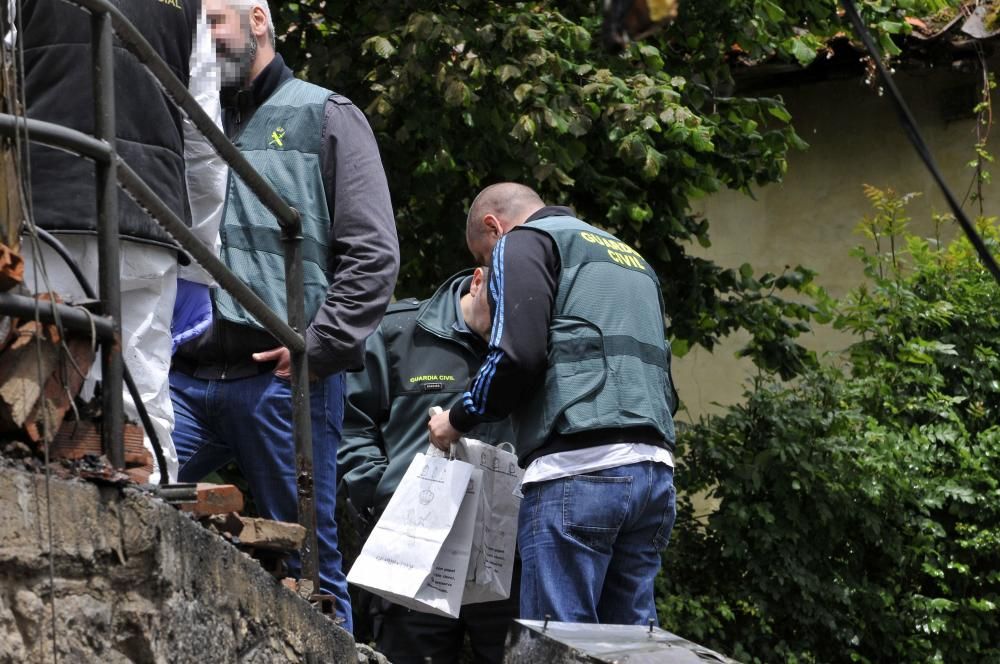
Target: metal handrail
(108, 248)
(112, 172)
(170, 222)
(58, 136)
(72, 317)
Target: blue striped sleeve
(521, 290)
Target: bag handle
(434, 451)
(431, 449)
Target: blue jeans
(249, 421)
(590, 544)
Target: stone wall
(137, 581)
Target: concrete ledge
(137, 581)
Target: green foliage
(465, 93)
(984, 123)
(858, 510)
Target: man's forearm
(355, 305)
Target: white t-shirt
(591, 459)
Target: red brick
(215, 499)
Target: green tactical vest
(282, 141)
(608, 360)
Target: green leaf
(701, 143)
(651, 56)
(522, 91)
(649, 123)
(888, 46)
(562, 178)
(456, 94)
(892, 27)
(524, 128)
(775, 13)
(780, 112)
(380, 45)
(802, 52)
(506, 72)
(639, 213)
(651, 165)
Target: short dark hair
(509, 202)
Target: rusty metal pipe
(108, 241)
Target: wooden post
(11, 216)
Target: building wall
(810, 218)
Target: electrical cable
(17, 106)
(913, 132)
(15, 29)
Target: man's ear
(478, 281)
(493, 226)
(258, 21)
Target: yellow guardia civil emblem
(277, 138)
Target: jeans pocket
(662, 536)
(595, 508)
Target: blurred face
(479, 320)
(235, 42)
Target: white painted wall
(810, 218)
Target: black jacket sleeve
(522, 289)
(364, 251)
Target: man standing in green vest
(578, 358)
(230, 386)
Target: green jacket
(416, 359)
(608, 360)
(282, 141)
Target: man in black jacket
(156, 141)
(230, 386)
(423, 355)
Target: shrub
(858, 510)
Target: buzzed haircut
(509, 202)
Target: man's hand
(283, 357)
(441, 432)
